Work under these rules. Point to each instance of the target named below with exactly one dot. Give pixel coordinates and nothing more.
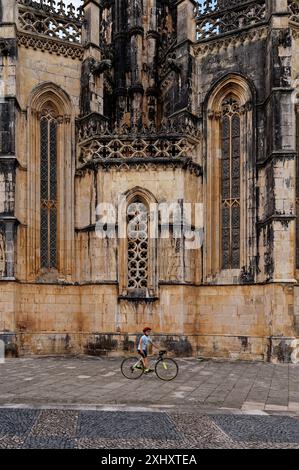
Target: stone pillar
(91, 83)
(152, 36)
(277, 6)
(136, 33)
(8, 11)
(281, 146)
(184, 63)
(186, 24)
(8, 161)
(121, 53)
(91, 32)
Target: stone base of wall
(272, 349)
(252, 322)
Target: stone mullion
(236, 198)
(30, 191)
(54, 194)
(211, 198)
(62, 188)
(33, 181)
(123, 247)
(67, 219)
(247, 197)
(49, 196)
(36, 196)
(230, 192)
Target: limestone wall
(36, 67)
(223, 321)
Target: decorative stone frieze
(52, 46)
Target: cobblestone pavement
(68, 429)
(85, 402)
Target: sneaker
(138, 367)
(148, 370)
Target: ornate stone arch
(145, 249)
(48, 91)
(231, 95)
(50, 98)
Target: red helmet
(147, 328)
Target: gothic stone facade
(149, 101)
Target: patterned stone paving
(282, 429)
(69, 429)
(129, 425)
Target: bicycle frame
(154, 365)
(152, 361)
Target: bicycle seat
(162, 352)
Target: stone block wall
(248, 313)
(236, 322)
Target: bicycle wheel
(132, 368)
(167, 369)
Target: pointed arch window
(137, 217)
(48, 188)
(230, 216)
(230, 183)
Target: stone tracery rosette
(48, 19)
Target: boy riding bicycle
(143, 347)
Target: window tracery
(230, 183)
(48, 188)
(137, 245)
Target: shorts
(142, 353)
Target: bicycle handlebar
(162, 352)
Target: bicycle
(165, 368)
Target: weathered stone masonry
(154, 101)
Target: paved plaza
(85, 402)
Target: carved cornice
(237, 39)
(139, 164)
(284, 219)
(278, 155)
(52, 46)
